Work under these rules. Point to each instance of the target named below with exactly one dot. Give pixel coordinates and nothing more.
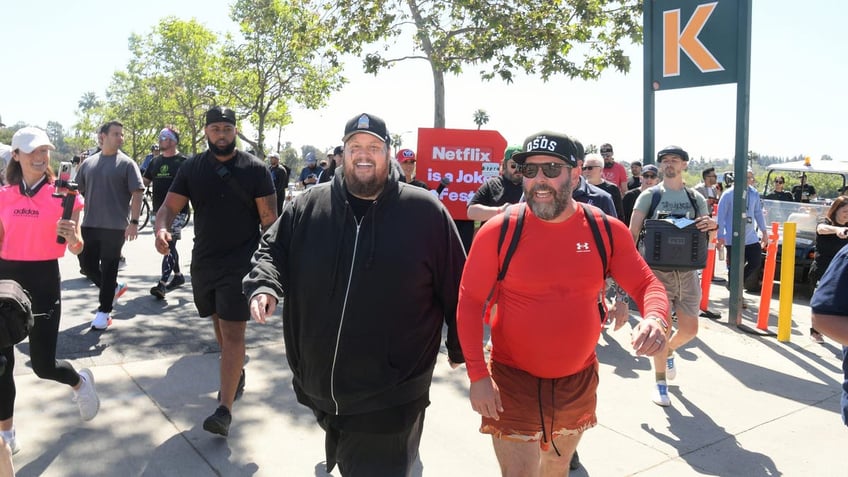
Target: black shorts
(217, 292)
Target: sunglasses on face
(550, 169)
(778, 182)
(512, 165)
(589, 168)
(649, 176)
(606, 151)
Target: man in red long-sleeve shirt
(541, 382)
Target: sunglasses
(551, 170)
(512, 165)
(606, 151)
(778, 182)
(649, 176)
(589, 168)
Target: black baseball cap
(217, 114)
(673, 150)
(338, 151)
(548, 143)
(367, 123)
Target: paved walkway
(742, 404)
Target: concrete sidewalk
(742, 404)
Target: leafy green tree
(575, 38)
(481, 117)
(281, 58)
(174, 74)
(90, 114)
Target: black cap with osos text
(547, 143)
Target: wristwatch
(134, 221)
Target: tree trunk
(439, 92)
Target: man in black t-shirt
(803, 192)
(497, 193)
(161, 172)
(280, 177)
(234, 201)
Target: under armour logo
(582, 247)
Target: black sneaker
(159, 291)
(575, 461)
(219, 422)
(176, 282)
(239, 388)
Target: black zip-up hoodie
(362, 324)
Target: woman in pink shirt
(30, 221)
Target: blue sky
(798, 99)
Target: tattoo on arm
(267, 207)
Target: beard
(222, 151)
(369, 187)
(549, 211)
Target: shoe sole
(119, 294)
(90, 376)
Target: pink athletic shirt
(29, 223)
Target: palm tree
(481, 117)
(397, 140)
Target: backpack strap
(691, 194)
(656, 195)
(592, 218)
(516, 234)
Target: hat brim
(521, 157)
(28, 148)
(351, 134)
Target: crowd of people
(364, 370)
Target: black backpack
(16, 317)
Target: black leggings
(42, 281)
(170, 262)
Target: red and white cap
(405, 155)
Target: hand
(131, 233)
(705, 223)
(486, 398)
(262, 306)
(162, 239)
(648, 337)
(68, 230)
(842, 233)
(452, 364)
(620, 313)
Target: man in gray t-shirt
(112, 186)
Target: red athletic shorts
(536, 407)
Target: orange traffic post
(768, 279)
(707, 273)
(787, 282)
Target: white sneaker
(120, 289)
(101, 321)
(661, 395)
(9, 438)
(670, 368)
(86, 397)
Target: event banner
(456, 162)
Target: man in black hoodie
(362, 357)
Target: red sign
(457, 161)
